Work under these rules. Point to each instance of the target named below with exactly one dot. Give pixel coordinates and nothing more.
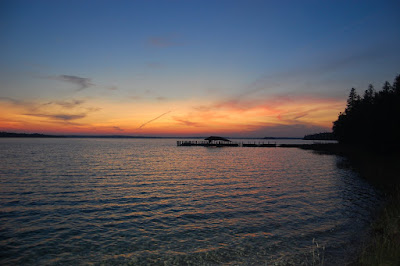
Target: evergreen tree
(352, 100)
(372, 120)
(396, 85)
(369, 94)
(387, 88)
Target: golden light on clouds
(191, 117)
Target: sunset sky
(190, 68)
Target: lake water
(147, 201)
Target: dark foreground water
(146, 201)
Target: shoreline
(382, 171)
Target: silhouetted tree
(352, 100)
(387, 88)
(369, 95)
(372, 120)
(396, 85)
(320, 136)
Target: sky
(190, 68)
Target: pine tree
(369, 94)
(396, 85)
(372, 120)
(352, 100)
(386, 87)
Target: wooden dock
(223, 144)
(330, 148)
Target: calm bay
(146, 201)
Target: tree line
(320, 136)
(371, 120)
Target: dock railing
(223, 143)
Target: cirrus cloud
(64, 117)
(80, 82)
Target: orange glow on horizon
(177, 118)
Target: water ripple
(118, 201)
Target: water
(147, 201)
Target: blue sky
(152, 52)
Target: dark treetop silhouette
(371, 120)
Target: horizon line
(43, 135)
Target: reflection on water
(140, 201)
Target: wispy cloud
(164, 41)
(64, 117)
(280, 130)
(66, 104)
(118, 128)
(82, 83)
(154, 119)
(187, 122)
(70, 110)
(26, 105)
(161, 98)
(256, 116)
(353, 60)
(11, 100)
(58, 111)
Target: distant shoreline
(38, 135)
